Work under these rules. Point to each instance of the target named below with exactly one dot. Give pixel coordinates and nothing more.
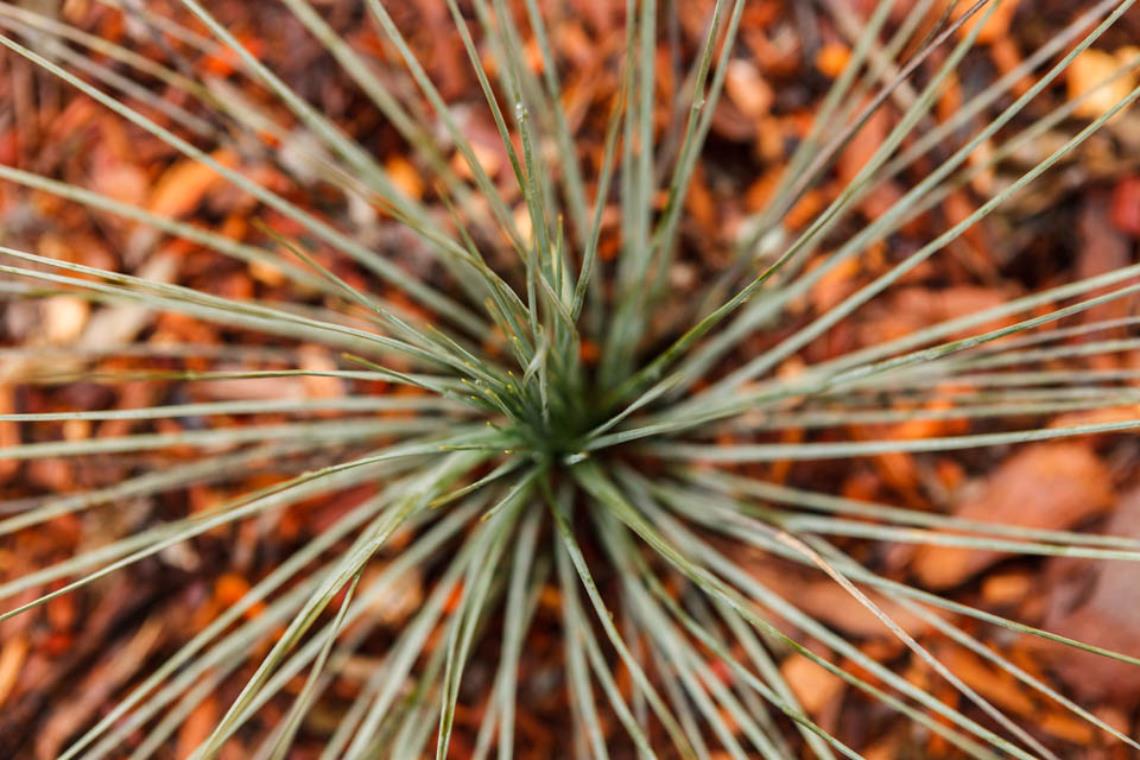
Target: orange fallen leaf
(317, 359)
(1085, 76)
(995, 685)
(824, 599)
(123, 182)
(862, 146)
(994, 27)
(814, 687)
(701, 205)
(406, 177)
(1067, 727)
(747, 89)
(489, 160)
(453, 599)
(64, 318)
(1109, 415)
(1006, 57)
(1049, 486)
(835, 285)
(12, 656)
(804, 210)
(9, 433)
(401, 596)
(1006, 588)
(197, 727)
(230, 588)
(183, 186)
(832, 59)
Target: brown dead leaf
(1103, 249)
(1126, 206)
(1106, 614)
(1048, 486)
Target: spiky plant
(483, 377)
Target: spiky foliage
(513, 462)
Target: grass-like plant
(526, 402)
